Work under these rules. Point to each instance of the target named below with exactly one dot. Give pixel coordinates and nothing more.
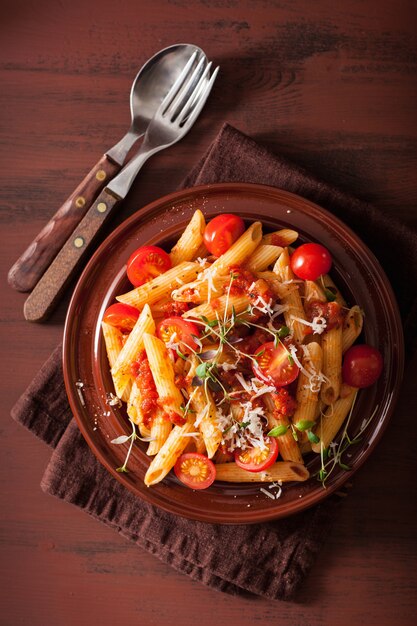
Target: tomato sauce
(284, 403)
(331, 311)
(173, 308)
(277, 240)
(143, 376)
(242, 280)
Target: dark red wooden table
(329, 84)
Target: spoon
(149, 88)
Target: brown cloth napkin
(269, 559)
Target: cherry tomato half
(257, 459)
(195, 470)
(274, 365)
(184, 333)
(123, 316)
(362, 366)
(310, 261)
(146, 263)
(222, 231)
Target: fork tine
(195, 95)
(189, 121)
(178, 84)
(176, 106)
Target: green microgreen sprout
(332, 457)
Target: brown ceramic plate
(355, 270)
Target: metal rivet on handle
(79, 202)
(78, 242)
(102, 207)
(101, 175)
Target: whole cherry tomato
(146, 263)
(221, 232)
(362, 366)
(310, 261)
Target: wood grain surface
(331, 85)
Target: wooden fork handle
(30, 266)
(45, 295)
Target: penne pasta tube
(284, 471)
(239, 251)
(113, 340)
(134, 344)
(352, 327)
(170, 398)
(206, 420)
(201, 253)
(331, 422)
(308, 386)
(160, 429)
(288, 447)
(167, 456)
(283, 237)
(331, 343)
(292, 300)
(190, 241)
(262, 257)
(217, 307)
(198, 291)
(158, 287)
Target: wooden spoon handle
(30, 266)
(46, 293)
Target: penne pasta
(284, 237)
(295, 310)
(160, 429)
(113, 339)
(170, 398)
(205, 414)
(352, 327)
(239, 251)
(158, 287)
(309, 383)
(331, 343)
(190, 241)
(167, 456)
(330, 423)
(218, 307)
(120, 371)
(262, 257)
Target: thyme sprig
(333, 456)
(124, 439)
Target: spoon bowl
(149, 88)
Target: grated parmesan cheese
(318, 325)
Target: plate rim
(249, 516)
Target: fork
(171, 122)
